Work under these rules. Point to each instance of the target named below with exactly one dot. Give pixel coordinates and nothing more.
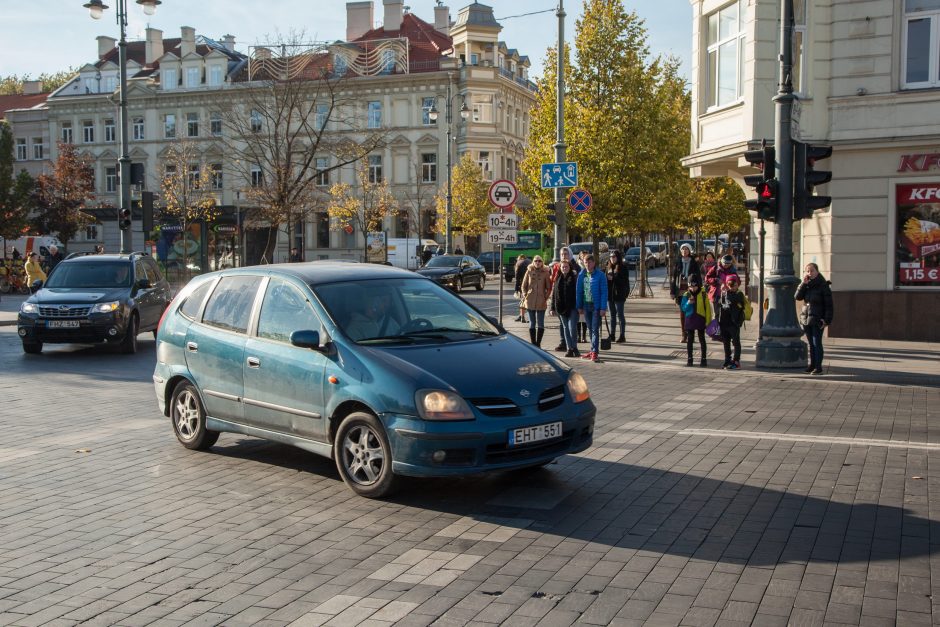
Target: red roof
(425, 44)
(137, 51)
(20, 101)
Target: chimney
(153, 48)
(32, 87)
(105, 45)
(229, 42)
(359, 19)
(393, 14)
(187, 41)
(442, 19)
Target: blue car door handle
(254, 362)
(192, 347)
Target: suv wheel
(189, 418)
(129, 343)
(32, 348)
(364, 456)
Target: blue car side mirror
(307, 339)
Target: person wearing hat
(698, 312)
(716, 276)
(685, 267)
(730, 314)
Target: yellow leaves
(365, 206)
(470, 206)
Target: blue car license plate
(538, 433)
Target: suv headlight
(442, 405)
(578, 387)
(106, 307)
(29, 308)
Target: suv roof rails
(74, 255)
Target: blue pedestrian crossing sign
(559, 175)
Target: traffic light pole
(781, 344)
(124, 161)
(561, 227)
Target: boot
(532, 336)
(538, 337)
(621, 339)
(703, 363)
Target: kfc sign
(919, 163)
(928, 192)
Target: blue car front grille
(496, 407)
(551, 398)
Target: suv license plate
(527, 435)
(63, 324)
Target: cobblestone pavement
(708, 498)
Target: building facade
(867, 77)
(178, 87)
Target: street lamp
(96, 9)
(433, 115)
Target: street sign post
(559, 175)
(580, 200)
(503, 194)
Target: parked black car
(95, 299)
(490, 261)
(455, 271)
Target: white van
(404, 252)
(30, 243)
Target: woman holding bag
(816, 313)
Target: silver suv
(603, 251)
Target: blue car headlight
(578, 387)
(29, 308)
(442, 405)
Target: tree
(469, 204)
(364, 207)
(16, 193)
(11, 85)
(419, 200)
(290, 123)
(187, 189)
(63, 194)
(717, 206)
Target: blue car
(386, 372)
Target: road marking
(813, 439)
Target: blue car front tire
(364, 456)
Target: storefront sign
(920, 162)
(375, 247)
(225, 229)
(917, 255)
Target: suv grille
(551, 398)
(64, 311)
(498, 407)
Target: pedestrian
(99, 249)
(591, 297)
(458, 250)
(522, 264)
(697, 312)
(34, 271)
(54, 258)
(730, 314)
(686, 266)
(618, 287)
(715, 278)
(16, 254)
(582, 322)
(815, 314)
(295, 255)
(708, 262)
(565, 255)
(536, 290)
(565, 305)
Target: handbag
(713, 330)
(605, 341)
(804, 315)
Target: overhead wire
(509, 17)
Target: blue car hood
(503, 366)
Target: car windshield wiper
(387, 338)
(439, 330)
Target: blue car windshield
(401, 310)
(81, 275)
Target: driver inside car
(375, 319)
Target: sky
(39, 36)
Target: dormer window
(193, 77)
(215, 75)
(110, 84)
(170, 78)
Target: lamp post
(96, 9)
(433, 115)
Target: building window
(110, 179)
(483, 160)
(215, 124)
(323, 175)
(91, 233)
(21, 151)
(339, 65)
(193, 77)
(216, 170)
(375, 114)
(215, 75)
(88, 132)
(66, 132)
(375, 168)
(193, 175)
(110, 84)
(192, 124)
(426, 105)
(725, 55)
(388, 61)
(483, 109)
(169, 125)
(474, 58)
(323, 230)
(799, 38)
(920, 66)
(322, 114)
(429, 167)
(138, 128)
(170, 79)
(91, 86)
(257, 178)
(37, 148)
(109, 135)
(255, 121)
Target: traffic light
(124, 219)
(806, 178)
(764, 183)
(550, 211)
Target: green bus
(530, 244)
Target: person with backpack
(697, 310)
(730, 315)
(618, 288)
(816, 314)
(564, 303)
(564, 255)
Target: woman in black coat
(564, 304)
(685, 266)
(815, 314)
(618, 288)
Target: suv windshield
(100, 274)
(635, 251)
(444, 262)
(401, 310)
